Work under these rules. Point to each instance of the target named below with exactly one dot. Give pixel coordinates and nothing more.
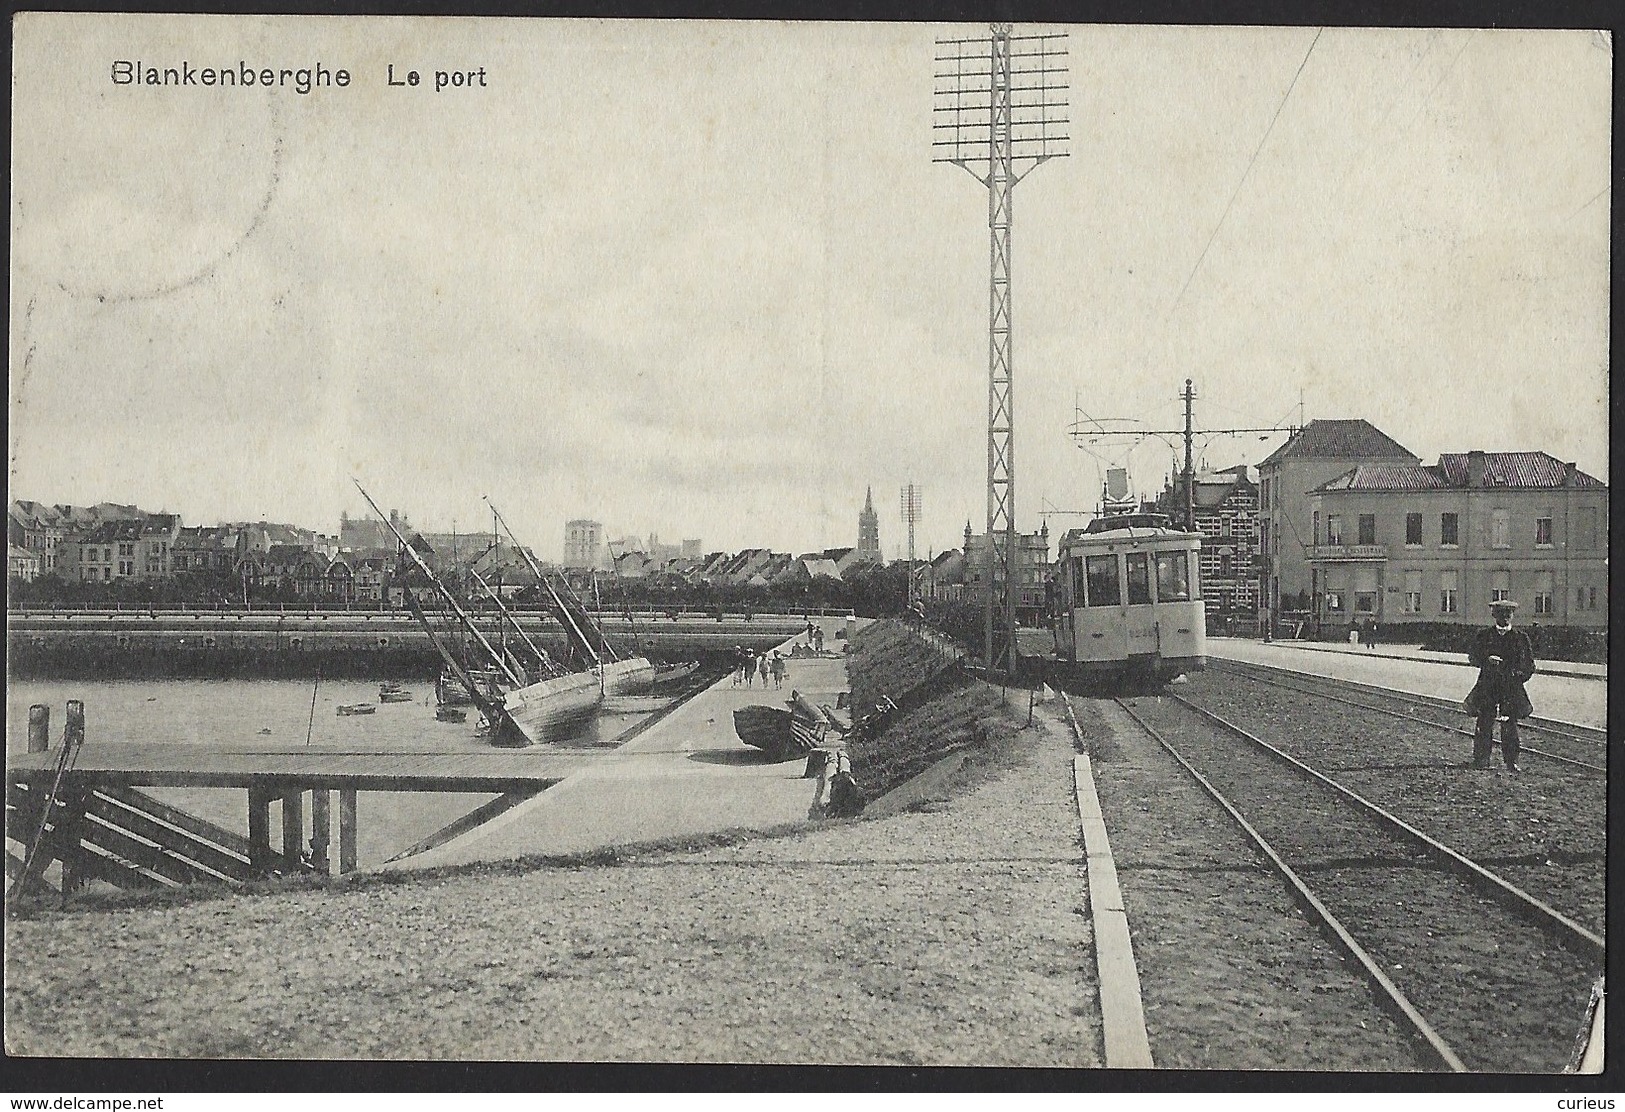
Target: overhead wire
(1245, 173)
(1591, 202)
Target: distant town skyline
(580, 293)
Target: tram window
(1104, 589)
(1139, 579)
(1077, 581)
(1173, 579)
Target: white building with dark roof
(1312, 455)
(1396, 542)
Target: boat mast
(496, 545)
(450, 599)
(558, 603)
(541, 653)
(494, 711)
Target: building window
(126, 567)
(1368, 529)
(1543, 592)
(126, 549)
(1103, 585)
(1585, 536)
(1543, 532)
(1447, 590)
(1334, 598)
(1334, 529)
(1413, 590)
(1139, 579)
(1447, 529)
(1500, 586)
(1365, 589)
(1500, 529)
(1173, 580)
(1413, 530)
(1314, 529)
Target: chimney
(1475, 468)
(1568, 474)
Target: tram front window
(1173, 577)
(1139, 579)
(1104, 588)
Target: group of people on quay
(753, 664)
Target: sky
(702, 279)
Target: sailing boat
(621, 675)
(532, 701)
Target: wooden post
(259, 828)
(293, 828)
(39, 728)
(321, 828)
(69, 822)
(347, 824)
(73, 734)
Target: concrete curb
(1122, 1015)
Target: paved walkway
(688, 774)
(1566, 698)
(1571, 668)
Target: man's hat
(1503, 604)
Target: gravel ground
(956, 934)
(1544, 830)
(1232, 974)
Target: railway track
(1486, 976)
(1580, 747)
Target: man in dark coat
(1505, 661)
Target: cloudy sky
(703, 280)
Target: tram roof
(1101, 538)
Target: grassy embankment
(942, 710)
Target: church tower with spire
(869, 531)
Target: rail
(686, 613)
(1395, 1000)
(1396, 930)
(1533, 910)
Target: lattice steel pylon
(998, 120)
(910, 504)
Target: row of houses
(111, 542)
(754, 567)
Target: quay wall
(336, 644)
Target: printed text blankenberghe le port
(301, 79)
